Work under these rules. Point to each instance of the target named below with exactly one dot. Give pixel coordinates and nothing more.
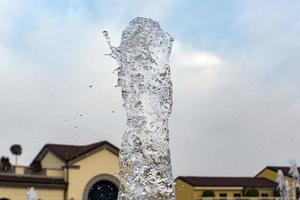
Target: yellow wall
(51, 161)
(197, 193)
(183, 191)
(104, 162)
(57, 173)
(101, 162)
(268, 191)
(230, 192)
(268, 174)
(272, 175)
(19, 193)
(19, 170)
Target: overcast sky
(235, 70)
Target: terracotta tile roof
(227, 181)
(284, 169)
(31, 181)
(70, 152)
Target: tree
(36, 166)
(251, 192)
(16, 150)
(276, 193)
(5, 164)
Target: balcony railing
(27, 171)
(7, 171)
(30, 171)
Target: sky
(234, 65)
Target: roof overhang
(217, 188)
(36, 185)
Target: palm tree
(16, 150)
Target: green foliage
(36, 166)
(276, 193)
(208, 193)
(16, 149)
(251, 192)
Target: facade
(90, 172)
(270, 172)
(192, 188)
(67, 173)
(262, 186)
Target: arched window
(103, 190)
(102, 187)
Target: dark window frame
(223, 195)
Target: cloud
(202, 59)
(251, 105)
(229, 104)
(45, 77)
(190, 57)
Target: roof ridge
(277, 166)
(227, 181)
(72, 145)
(55, 144)
(68, 152)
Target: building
(270, 172)
(262, 186)
(192, 188)
(67, 172)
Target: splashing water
(294, 172)
(283, 186)
(144, 77)
(31, 194)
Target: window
(264, 195)
(237, 195)
(223, 195)
(103, 190)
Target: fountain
(283, 186)
(31, 194)
(144, 78)
(295, 175)
(294, 171)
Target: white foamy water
(283, 186)
(294, 172)
(31, 194)
(145, 80)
